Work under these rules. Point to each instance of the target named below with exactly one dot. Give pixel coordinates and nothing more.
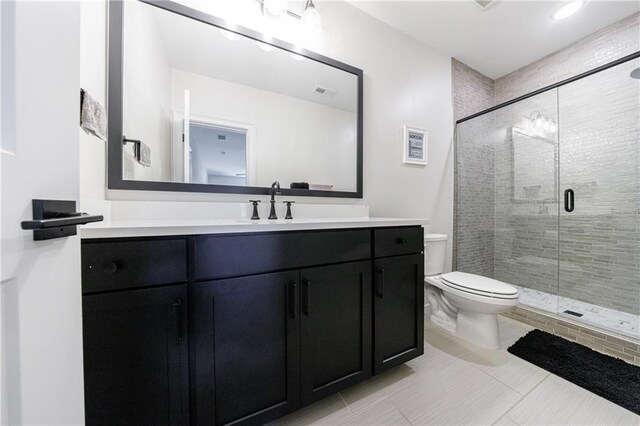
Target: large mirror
(198, 105)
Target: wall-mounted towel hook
(136, 146)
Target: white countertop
(146, 228)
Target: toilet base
(479, 329)
(449, 312)
(447, 325)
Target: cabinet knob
(401, 241)
(110, 267)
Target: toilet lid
(479, 285)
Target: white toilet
(465, 304)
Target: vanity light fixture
(273, 8)
(543, 122)
(310, 16)
(568, 9)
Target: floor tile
(511, 330)
(505, 421)
(439, 351)
(457, 383)
(557, 401)
(382, 413)
(365, 395)
(329, 411)
(456, 394)
(510, 370)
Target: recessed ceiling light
(568, 9)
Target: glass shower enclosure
(548, 198)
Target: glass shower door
(526, 199)
(507, 198)
(599, 183)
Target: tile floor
(455, 383)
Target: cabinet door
(335, 328)
(398, 310)
(135, 357)
(246, 348)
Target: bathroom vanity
(244, 324)
(237, 321)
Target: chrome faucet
(275, 189)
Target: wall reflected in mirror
(219, 108)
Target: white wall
(93, 78)
(147, 94)
(406, 82)
(295, 140)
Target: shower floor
(609, 319)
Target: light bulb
(538, 122)
(274, 8)
(553, 127)
(311, 18)
(546, 126)
(568, 9)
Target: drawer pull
(307, 302)
(293, 299)
(380, 284)
(402, 241)
(110, 267)
(177, 320)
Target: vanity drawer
(398, 241)
(238, 255)
(130, 264)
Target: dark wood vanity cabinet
(135, 357)
(335, 328)
(399, 310)
(264, 323)
(398, 303)
(246, 348)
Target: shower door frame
(457, 176)
(553, 86)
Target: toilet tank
(435, 252)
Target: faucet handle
(288, 215)
(254, 215)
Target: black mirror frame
(115, 178)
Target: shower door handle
(569, 200)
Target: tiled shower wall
(518, 242)
(473, 251)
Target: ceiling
(506, 36)
(203, 49)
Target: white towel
(93, 117)
(144, 154)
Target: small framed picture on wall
(415, 146)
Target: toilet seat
(480, 286)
